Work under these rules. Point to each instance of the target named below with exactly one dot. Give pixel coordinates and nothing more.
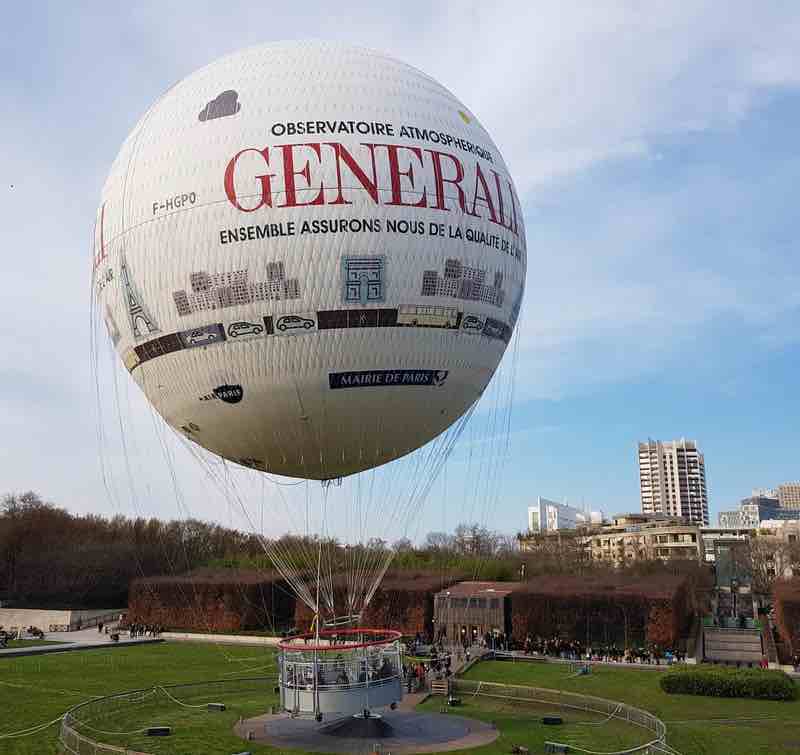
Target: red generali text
(330, 173)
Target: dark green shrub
(726, 681)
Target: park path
(459, 664)
(81, 639)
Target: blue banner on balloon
(384, 378)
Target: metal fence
(574, 701)
(82, 726)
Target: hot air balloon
(310, 258)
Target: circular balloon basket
(340, 672)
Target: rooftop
(473, 589)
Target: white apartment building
(672, 480)
(639, 536)
(550, 516)
(631, 537)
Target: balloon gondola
(340, 671)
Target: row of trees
(49, 557)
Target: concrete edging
(225, 639)
(499, 656)
(70, 647)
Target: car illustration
(243, 328)
(202, 337)
(471, 322)
(493, 328)
(293, 322)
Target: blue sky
(655, 154)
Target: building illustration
(221, 290)
(363, 279)
(462, 282)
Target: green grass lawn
(695, 725)
(32, 643)
(196, 730)
(37, 689)
(521, 724)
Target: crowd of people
(497, 642)
(417, 674)
(17, 633)
(145, 630)
(575, 650)
(340, 672)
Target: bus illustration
(428, 316)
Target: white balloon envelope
(310, 257)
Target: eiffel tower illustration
(141, 322)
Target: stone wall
(43, 618)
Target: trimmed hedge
(620, 607)
(225, 600)
(726, 681)
(787, 613)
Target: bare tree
(769, 558)
(562, 551)
(439, 541)
(506, 545)
(475, 540)
(403, 545)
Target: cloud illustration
(222, 105)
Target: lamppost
(734, 590)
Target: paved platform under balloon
(403, 732)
